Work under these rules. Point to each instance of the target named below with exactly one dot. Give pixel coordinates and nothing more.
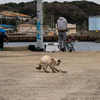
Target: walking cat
(46, 61)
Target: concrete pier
(20, 80)
(46, 38)
(17, 48)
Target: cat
(46, 61)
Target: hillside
(74, 12)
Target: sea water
(79, 46)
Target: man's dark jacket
(2, 36)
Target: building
(12, 15)
(7, 28)
(26, 28)
(71, 28)
(94, 23)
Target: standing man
(62, 29)
(2, 36)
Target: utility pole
(84, 25)
(1, 21)
(39, 24)
(53, 19)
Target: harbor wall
(17, 48)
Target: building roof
(27, 25)
(9, 13)
(4, 25)
(17, 14)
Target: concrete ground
(20, 80)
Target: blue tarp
(4, 25)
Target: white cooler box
(52, 47)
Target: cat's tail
(63, 71)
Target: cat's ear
(59, 60)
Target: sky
(18, 1)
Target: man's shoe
(63, 49)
